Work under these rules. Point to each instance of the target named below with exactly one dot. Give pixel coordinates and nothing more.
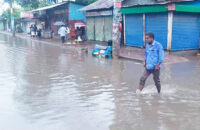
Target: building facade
(175, 24)
(99, 20)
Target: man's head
(150, 37)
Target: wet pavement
(53, 87)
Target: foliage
(30, 4)
(43, 3)
(6, 16)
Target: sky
(5, 6)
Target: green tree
(30, 4)
(43, 3)
(6, 14)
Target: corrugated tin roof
(106, 4)
(100, 4)
(49, 7)
(129, 3)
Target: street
(51, 87)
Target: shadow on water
(51, 87)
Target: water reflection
(55, 87)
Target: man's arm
(161, 57)
(145, 59)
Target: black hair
(150, 34)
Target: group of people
(66, 33)
(35, 32)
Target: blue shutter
(158, 24)
(186, 31)
(134, 30)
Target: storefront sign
(26, 15)
(171, 7)
(118, 5)
(59, 12)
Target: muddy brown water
(51, 87)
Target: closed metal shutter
(108, 28)
(99, 28)
(158, 24)
(186, 31)
(134, 30)
(90, 28)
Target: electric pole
(12, 18)
(117, 26)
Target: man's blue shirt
(154, 54)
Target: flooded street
(51, 87)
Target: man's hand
(144, 64)
(157, 66)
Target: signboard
(80, 24)
(26, 15)
(118, 5)
(99, 13)
(59, 12)
(171, 7)
(117, 21)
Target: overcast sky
(4, 6)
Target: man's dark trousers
(63, 39)
(156, 78)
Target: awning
(80, 24)
(144, 9)
(48, 7)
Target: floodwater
(51, 87)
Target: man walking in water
(62, 31)
(154, 56)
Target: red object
(67, 10)
(72, 24)
(120, 27)
(118, 5)
(171, 7)
(27, 14)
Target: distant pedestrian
(35, 30)
(67, 33)
(62, 32)
(32, 31)
(154, 56)
(51, 33)
(39, 33)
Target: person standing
(35, 30)
(67, 33)
(39, 33)
(154, 56)
(62, 32)
(32, 31)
